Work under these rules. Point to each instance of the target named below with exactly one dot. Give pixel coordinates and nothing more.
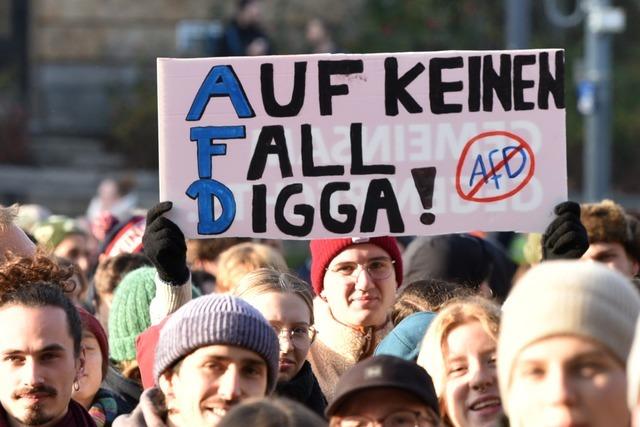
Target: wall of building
(86, 53)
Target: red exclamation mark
(424, 179)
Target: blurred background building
(77, 77)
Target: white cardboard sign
(320, 146)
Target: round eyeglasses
(300, 336)
(378, 268)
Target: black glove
(565, 237)
(165, 246)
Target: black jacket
(304, 388)
(128, 390)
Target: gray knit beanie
(212, 320)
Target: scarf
(339, 346)
(304, 388)
(104, 408)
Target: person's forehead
(359, 253)
(468, 337)
(88, 335)
(284, 306)
(562, 348)
(599, 247)
(230, 353)
(33, 328)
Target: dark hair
(44, 294)
(17, 271)
(241, 4)
(425, 295)
(78, 274)
(200, 277)
(210, 249)
(271, 412)
(111, 270)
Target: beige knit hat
(633, 370)
(566, 297)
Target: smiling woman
(459, 352)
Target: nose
(364, 280)
(229, 384)
(558, 388)
(285, 342)
(482, 377)
(83, 262)
(31, 373)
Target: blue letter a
(479, 164)
(221, 81)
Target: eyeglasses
(395, 419)
(300, 336)
(378, 269)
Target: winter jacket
(339, 346)
(304, 388)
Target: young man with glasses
(355, 281)
(384, 391)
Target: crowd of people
(117, 319)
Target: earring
(76, 385)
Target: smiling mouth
(364, 298)
(486, 403)
(217, 411)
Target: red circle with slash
(471, 194)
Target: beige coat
(338, 347)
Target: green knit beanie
(52, 231)
(129, 314)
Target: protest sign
(361, 145)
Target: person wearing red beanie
(355, 280)
(103, 405)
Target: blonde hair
(130, 370)
(265, 280)
(457, 312)
(7, 216)
(241, 259)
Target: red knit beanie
(91, 324)
(324, 250)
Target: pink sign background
(494, 170)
